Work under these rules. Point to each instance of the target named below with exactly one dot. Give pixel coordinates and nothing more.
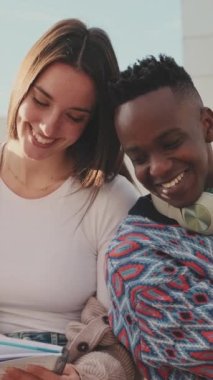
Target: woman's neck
(32, 178)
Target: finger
(18, 374)
(42, 373)
(69, 369)
(70, 373)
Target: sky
(137, 28)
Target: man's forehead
(154, 96)
(160, 101)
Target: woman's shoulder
(119, 192)
(122, 186)
(114, 199)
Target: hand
(34, 372)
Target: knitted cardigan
(94, 351)
(160, 279)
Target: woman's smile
(41, 140)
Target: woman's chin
(32, 154)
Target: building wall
(2, 128)
(197, 27)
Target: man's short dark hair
(151, 74)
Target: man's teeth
(174, 182)
(42, 140)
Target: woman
(60, 193)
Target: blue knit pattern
(160, 280)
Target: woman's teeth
(175, 181)
(42, 140)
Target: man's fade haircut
(151, 74)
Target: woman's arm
(94, 352)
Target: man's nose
(160, 166)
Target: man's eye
(172, 144)
(138, 160)
(39, 102)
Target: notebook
(21, 352)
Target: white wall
(197, 27)
(2, 128)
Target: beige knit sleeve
(95, 352)
(100, 366)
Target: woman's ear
(207, 121)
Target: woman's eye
(76, 119)
(39, 102)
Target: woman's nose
(49, 126)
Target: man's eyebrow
(132, 150)
(172, 133)
(167, 134)
(80, 109)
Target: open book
(20, 353)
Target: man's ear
(207, 121)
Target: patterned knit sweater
(160, 279)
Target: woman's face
(55, 112)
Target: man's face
(166, 140)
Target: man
(160, 263)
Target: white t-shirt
(52, 253)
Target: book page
(20, 353)
(13, 347)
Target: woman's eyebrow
(80, 109)
(37, 87)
